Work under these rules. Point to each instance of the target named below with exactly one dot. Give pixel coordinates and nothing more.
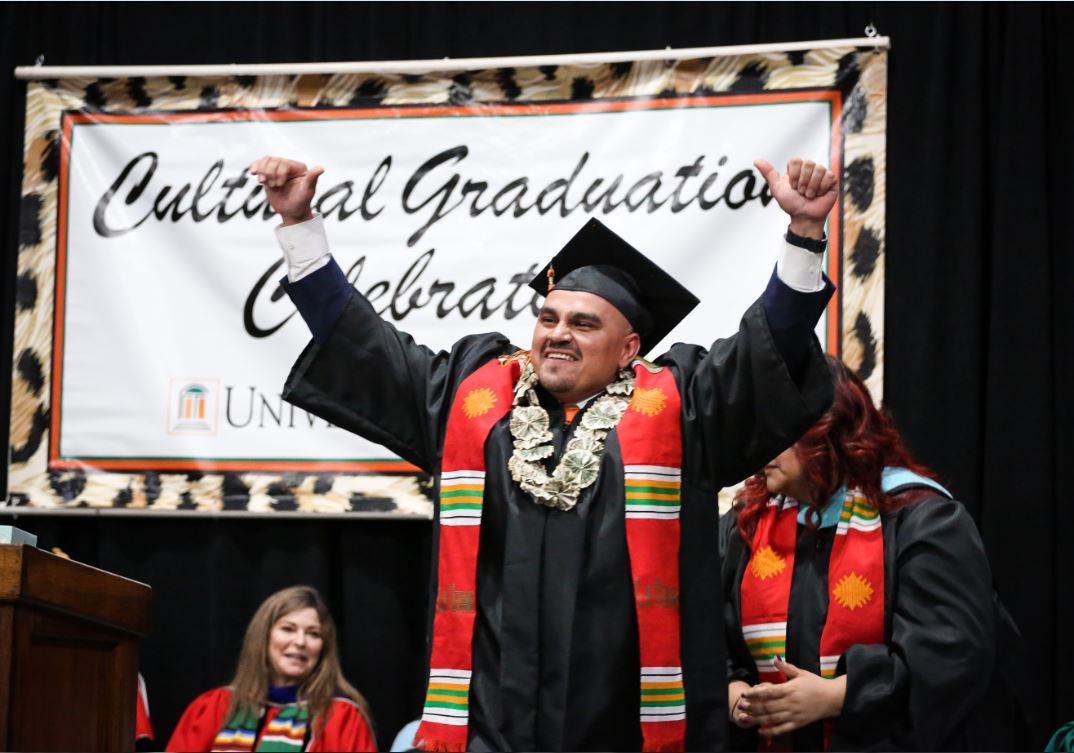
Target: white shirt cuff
(304, 246)
(800, 269)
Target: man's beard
(554, 382)
(557, 383)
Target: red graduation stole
(855, 588)
(650, 439)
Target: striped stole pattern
(855, 588)
(447, 699)
(650, 439)
(232, 739)
(855, 582)
(461, 495)
(662, 696)
(286, 731)
(482, 399)
(828, 665)
(766, 641)
(652, 491)
(239, 733)
(766, 587)
(859, 514)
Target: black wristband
(809, 244)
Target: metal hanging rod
(39, 72)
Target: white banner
(175, 346)
(152, 339)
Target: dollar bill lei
(580, 463)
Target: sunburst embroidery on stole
(766, 564)
(853, 591)
(648, 402)
(478, 402)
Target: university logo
(192, 407)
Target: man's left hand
(807, 192)
(803, 699)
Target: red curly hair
(851, 444)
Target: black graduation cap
(598, 261)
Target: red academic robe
(345, 730)
(143, 730)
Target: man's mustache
(564, 347)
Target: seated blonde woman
(288, 692)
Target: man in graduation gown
(576, 563)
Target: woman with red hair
(859, 599)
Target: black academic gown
(556, 638)
(920, 689)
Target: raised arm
(289, 187)
(360, 373)
(807, 193)
(754, 394)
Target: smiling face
(579, 344)
(786, 475)
(294, 646)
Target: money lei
(580, 463)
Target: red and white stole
(650, 440)
(855, 587)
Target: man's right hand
(289, 187)
(807, 193)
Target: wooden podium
(69, 638)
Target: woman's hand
(735, 689)
(803, 699)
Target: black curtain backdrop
(979, 308)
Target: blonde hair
(253, 675)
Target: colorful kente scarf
(285, 732)
(650, 440)
(855, 587)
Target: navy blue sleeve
(320, 298)
(791, 316)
